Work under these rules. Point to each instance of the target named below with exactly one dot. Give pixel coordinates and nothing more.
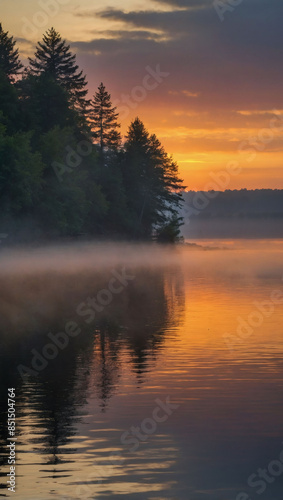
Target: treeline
(65, 170)
(241, 203)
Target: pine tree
(45, 104)
(167, 170)
(9, 105)
(10, 64)
(54, 58)
(153, 187)
(103, 116)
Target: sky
(204, 75)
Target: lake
(143, 372)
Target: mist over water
(87, 257)
(163, 334)
(43, 285)
(39, 284)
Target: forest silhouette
(65, 170)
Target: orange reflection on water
(166, 337)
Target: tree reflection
(51, 405)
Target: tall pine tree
(153, 187)
(104, 121)
(53, 57)
(10, 64)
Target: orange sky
(220, 84)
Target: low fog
(41, 286)
(247, 257)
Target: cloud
(221, 74)
(26, 49)
(268, 113)
(119, 43)
(24, 40)
(132, 34)
(198, 4)
(175, 22)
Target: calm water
(185, 328)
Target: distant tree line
(258, 203)
(64, 169)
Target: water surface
(190, 327)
